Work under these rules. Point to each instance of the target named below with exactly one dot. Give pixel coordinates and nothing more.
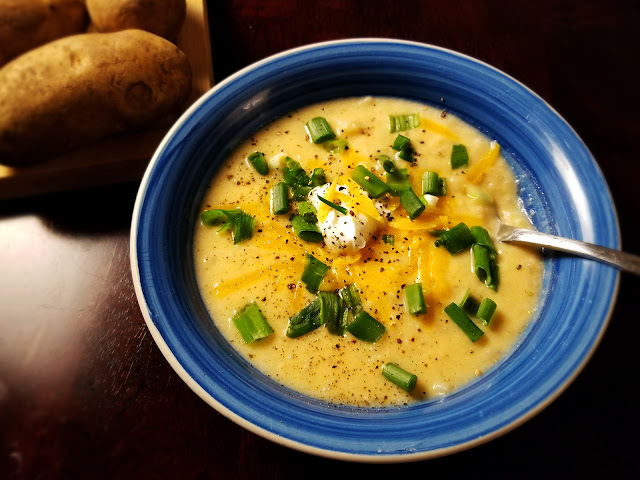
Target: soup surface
(267, 268)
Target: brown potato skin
(26, 24)
(78, 89)
(162, 17)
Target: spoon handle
(622, 260)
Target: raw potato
(26, 24)
(162, 17)
(78, 89)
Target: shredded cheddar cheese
(478, 169)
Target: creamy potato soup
(346, 252)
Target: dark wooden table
(85, 392)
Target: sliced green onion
(401, 143)
(307, 231)
(398, 181)
(294, 175)
(400, 377)
(299, 194)
(319, 130)
(485, 266)
(459, 156)
(366, 328)
(411, 203)
(338, 145)
(369, 182)
(243, 227)
(257, 161)
(218, 216)
(398, 123)
(486, 310)
(456, 239)
(415, 299)
(351, 298)
(433, 184)
(468, 303)
(313, 273)
(429, 200)
(252, 324)
(331, 312)
(463, 321)
(482, 237)
(335, 206)
(240, 222)
(280, 198)
(406, 154)
(305, 321)
(318, 177)
(387, 163)
(307, 211)
(388, 239)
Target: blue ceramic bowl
(559, 181)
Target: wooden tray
(120, 158)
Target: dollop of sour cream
(345, 233)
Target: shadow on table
(94, 211)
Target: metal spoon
(621, 260)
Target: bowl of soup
(313, 250)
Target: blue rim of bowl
(574, 201)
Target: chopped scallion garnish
(335, 206)
(482, 237)
(257, 161)
(406, 154)
(468, 303)
(401, 142)
(463, 321)
(350, 307)
(366, 328)
(429, 200)
(369, 182)
(305, 321)
(387, 163)
(351, 298)
(400, 377)
(485, 265)
(331, 312)
(388, 239)
(240, 223)
(398, 181)
(280, 198)
(411, 203)
(459, 156)
(299, 194)
(307, 211)
(318, 177)
(456, 239)
(319, 130)
(486, 310)
(252, 324)
(399, 123)
(338, 145)
(307, 231)
(433, 184)
(313, 273)
(243, 227)
(294, 175)
(415, 299)
(218, 216)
